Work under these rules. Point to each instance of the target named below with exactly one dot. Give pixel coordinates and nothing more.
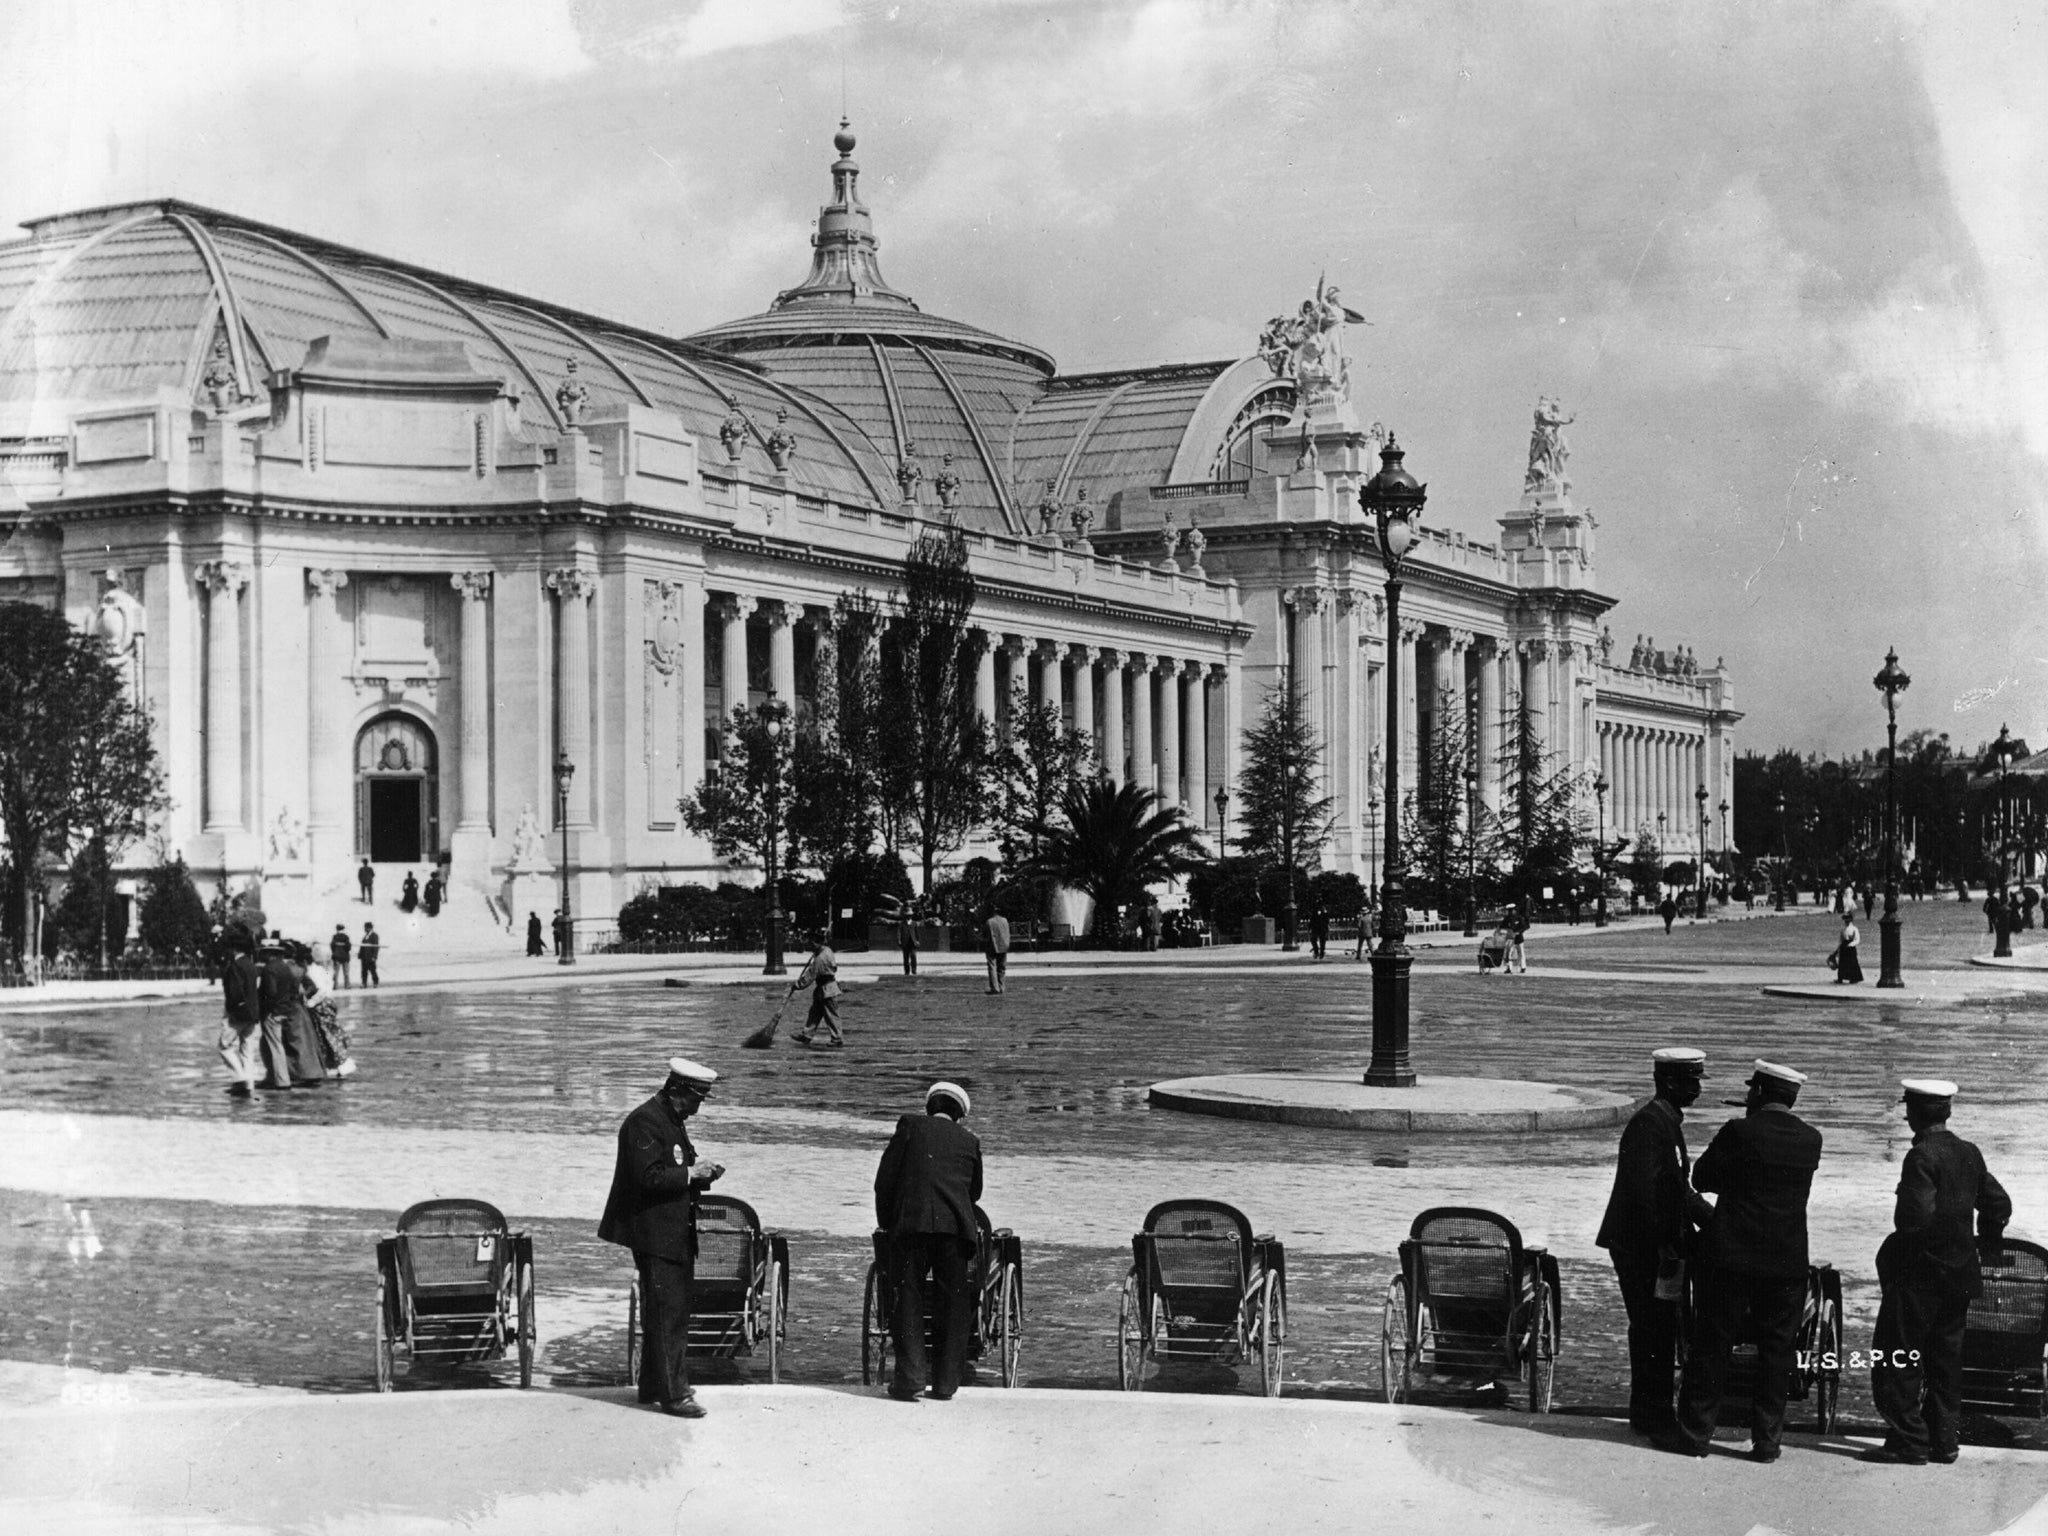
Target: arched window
(1242, 453)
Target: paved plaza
(186, 1241)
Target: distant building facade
(377, 544)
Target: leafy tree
(743, 802)
(1646, 865)
(1043, 759)
(1434, 837)
(80, 923)
(836, 802)
(1283, 819)
(76, 760)
(1541, 825)
(174, 923)
(935, 748)
(1112, 841)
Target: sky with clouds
(1788, 263)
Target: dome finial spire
(843, 265)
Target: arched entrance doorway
(398, 792)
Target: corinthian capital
(572, 584)
(223, 576)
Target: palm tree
(1112, 842)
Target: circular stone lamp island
(1339, 1101)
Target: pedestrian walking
(281, 986)
(562, 935)
(335, 1047)
(1848, 967)
(1149, 923)
(409, 893)
(1365, 930)
(1929, 1271)
(1648, 1230)
(1668, 910)
(995, 946)
(1752, 1279)
(821, 975)
(367, 952)
(339, 948)
(536, 942)
(925, 1194)
(1518, 954)
(430, 899)
(247, 1043)
(1319, 932)
(366, 880)
(652, 1209)
(906, 939)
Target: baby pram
(1493, 951)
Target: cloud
(720, 26)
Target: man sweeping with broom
(821, 975)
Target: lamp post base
(773, 965)
(1888, 947)
(1389, 1067)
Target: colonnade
(1652, 770)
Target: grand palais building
(375, 543)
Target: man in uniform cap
(1929, 1272)
(1753, 1280)
(925, 1191)
(653, 1211)
(1648, 1227)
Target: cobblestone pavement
(153, 1222)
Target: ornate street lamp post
(1784, 857)
(1471, 853)
(1891, 682)
(1700, 870)
(1600, 788)
(564, 772)
(2002, 751)
(1222, 826)
(1394, 502)
(774, 713)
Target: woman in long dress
(1848, 969)
(536, 942)
(283, 990)
(325, 1012)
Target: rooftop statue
(781, 442)
(732, 432)
(1051, 511)
(947, 484)
(910, 472)
(1308, 347)
(1084, 515)
(572, 397)
(1548, 450)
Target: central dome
(921, 386)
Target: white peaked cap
(1928, 1088)
(1679, 1056)
(951, 1091)
(1782, 1074)
(691, 1071)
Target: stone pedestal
(469, 856)
(532, 890)
(290, 904)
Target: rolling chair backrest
(454, 1244)
(1469, 1258)
(726, 1233)
(2015, 1298)
(1199, 1244)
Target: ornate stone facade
(386, 577)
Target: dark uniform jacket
(1762, 1167)
(1941, 1184)
(280, 986)
(929, 1179)
(240, 988)
(995, 936)
(1652, 1208)
(653, 1204)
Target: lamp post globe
(1891, 682)
(565, 773)
(774, 716)
(1600, 788)
(1392, 500)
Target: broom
(764, 1037)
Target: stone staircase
(471, 925)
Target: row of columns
(1149, 715)
(1652, 769)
